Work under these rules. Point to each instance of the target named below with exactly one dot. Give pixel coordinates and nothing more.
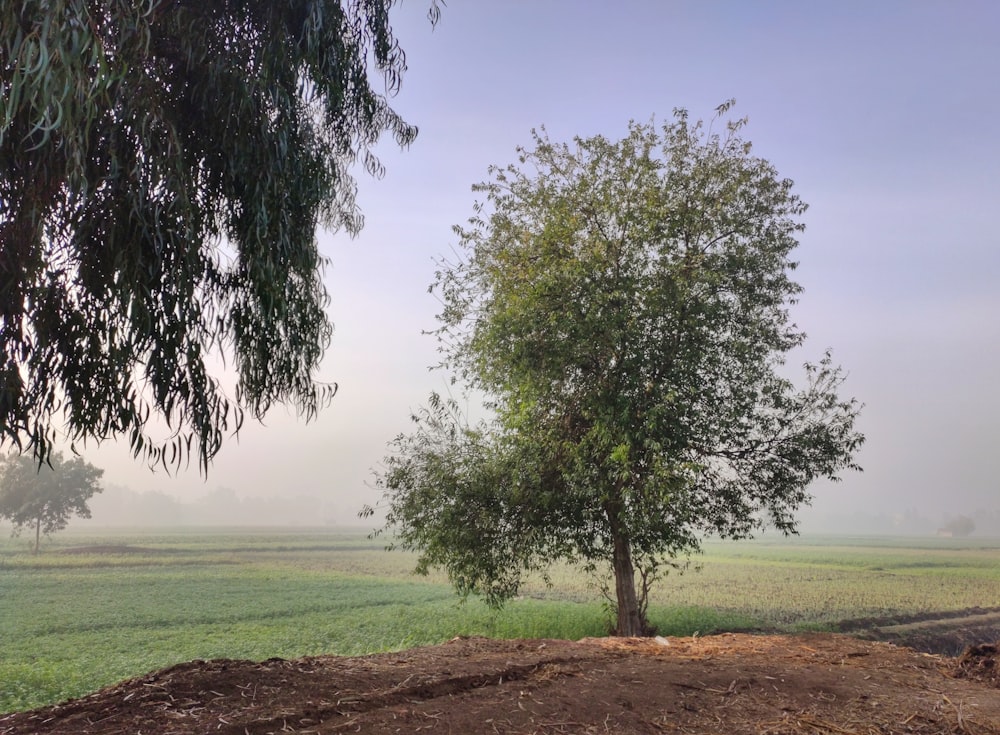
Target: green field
(84, 613)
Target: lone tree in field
(45, 497)
(164, 166)
(624, 308)
(960, 526)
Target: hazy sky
(885, 114)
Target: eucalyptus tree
(44, 497)
(164, 166)
(624, 308)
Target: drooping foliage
(44, 497)
(624, 306)
(164, 166)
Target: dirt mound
(731, 683)
(981, 663)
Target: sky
(885, 115)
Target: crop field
(93, 609)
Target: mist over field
(119, 506)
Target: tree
(164, 166)
(623, 306)
(46, 496)
(960, 526)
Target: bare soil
(822, 684)
(949, 633)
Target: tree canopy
(624, 308)
(164, 166)
(46, 496)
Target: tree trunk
(631, 621)
(38, 532)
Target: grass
(73, 621)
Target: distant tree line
(981, 522)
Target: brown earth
(948, 632)
(822, 684)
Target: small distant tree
(45, 497)
(960, 526)
(624, 307)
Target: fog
(884, 114)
